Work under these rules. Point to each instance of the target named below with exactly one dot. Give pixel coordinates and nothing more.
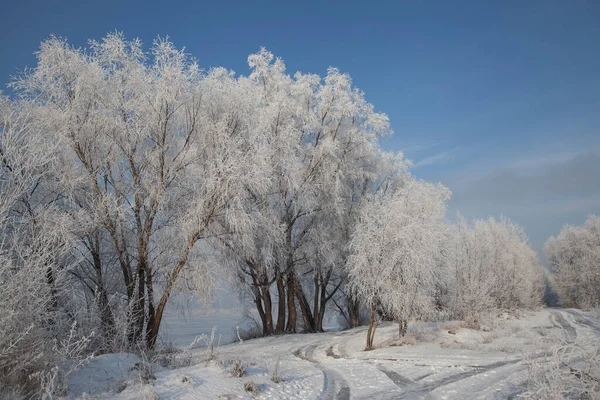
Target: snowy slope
(437, 361)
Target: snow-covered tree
(153, 155)
(34, 245)
(491, 266)
(316, 135)
(575, 262)
(393, 250)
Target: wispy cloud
(574, 205)
(439, 158)
(578, 175)
(420, 147)
(543, 160)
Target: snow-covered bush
(571, 372)
(68, 355)
(490, 266)
(575, 262)
(251, 387)
(237, 369)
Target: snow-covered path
(461, 364)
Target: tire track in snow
(583, 320)
(431, 386)
(399, 380)
(413, 390)
(331, 379)
(565, 325)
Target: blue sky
(500, 101)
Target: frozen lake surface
(182, 330)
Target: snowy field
(447, 360)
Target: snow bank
(104, 373)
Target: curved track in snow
(334, 385)
(462, 364)
(470, 380)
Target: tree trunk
(266, 297)
(107, 319)
(53, 306)
(291, 303)
(402, 327)
(354, 312)
(281, 303)
(151, 311)
(259, 305)
(140, 307)
(372, 327)
(321, 306)
(261, 312)
(316, 296)
(309, 321)
(153, 332)
(320, 315)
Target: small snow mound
(104, 373)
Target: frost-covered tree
(575, 263)
(491, 266)
(34, 244)
(393, 250)
(316, 135)
(153, 155)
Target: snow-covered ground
(446, 360)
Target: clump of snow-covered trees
(574, 257)
(490, 266)
(394, 248)
(127, 176)
(412, 265)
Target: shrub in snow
(145, 371)
(274, 375)
(574, 257)
(250, 387)
(211, 344)
(237, 369)
(407, 340)
(251, 330)
(170, 356)
(571, 372)
(70, 355)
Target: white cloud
(439, 158)
(544, 160)
(417, 148)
